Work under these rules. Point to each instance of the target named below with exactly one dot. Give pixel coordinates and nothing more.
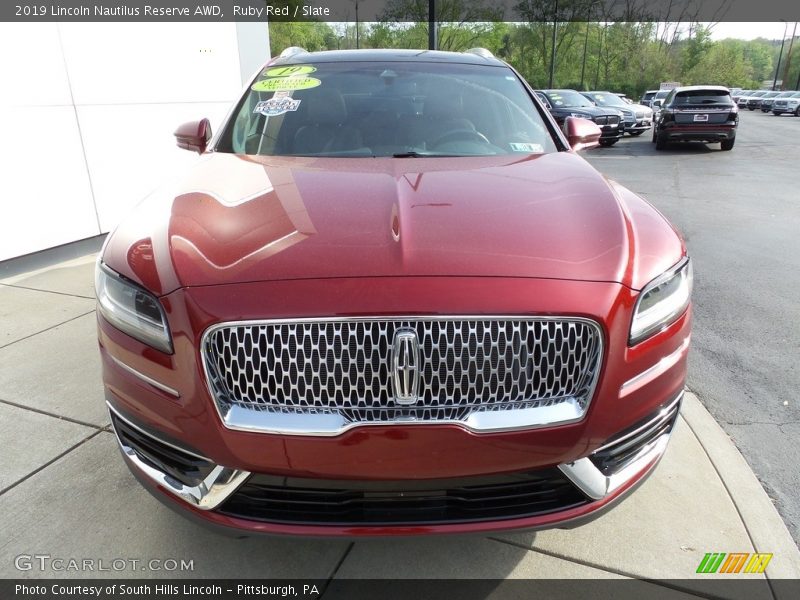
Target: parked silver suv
(787, 104)
(638, 118)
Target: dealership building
(88, 111)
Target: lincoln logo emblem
(405, 366)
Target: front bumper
(612, 132)
(638, 125)
(563, 496)
(166, 396)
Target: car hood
(234, 219)
(593, 111)
(640, 108)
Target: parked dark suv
(698, 114)
(570, 103)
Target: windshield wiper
(414, 154)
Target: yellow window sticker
(286, 84)
(289, 70)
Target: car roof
(691, 88)
(387, 55)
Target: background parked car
(766, 103)
(638, 118)
(571, 103)
(787, 104)
(647, 97)
(741, 98)
(700, 113)
(754, 100)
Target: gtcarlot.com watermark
(61, 564)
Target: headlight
(131, 309)
(662, 301)
(580, 116)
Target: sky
(751, 31)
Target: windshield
(716, 97)
(567, 98)
(404, 109)
(604, 99)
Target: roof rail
(291, 51)
(482, 52)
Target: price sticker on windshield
(290, 70)
(286, 84)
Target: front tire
(727, 144)
(636, 133)
(608, 143)
(797, 112)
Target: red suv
(391, 299)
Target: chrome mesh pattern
(606, 120)
(344, 367)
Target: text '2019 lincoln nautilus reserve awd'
(390, 298)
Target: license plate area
(701, 117)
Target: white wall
(87, 112)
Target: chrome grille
(607, 120)
(344, 366)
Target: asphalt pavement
(740, 214)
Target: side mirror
(194, 135)
(582, 134)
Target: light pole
(788, 63)
(599, 48)
(586, 40)
(553, 49)
(432, 41)
(357, 41)
(780, 55)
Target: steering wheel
(461, 134)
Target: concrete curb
(761, 520)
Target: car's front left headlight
(661, 302)
(131, 309)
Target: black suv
(699, 114)
(569, 103)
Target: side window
(668, 99)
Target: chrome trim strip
(661, 367)
(662, 415)
(592, 482)
(156, 384)
(130, 423)
(210, 493)
(329, 425)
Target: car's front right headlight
(661, 302)
(131, 309)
